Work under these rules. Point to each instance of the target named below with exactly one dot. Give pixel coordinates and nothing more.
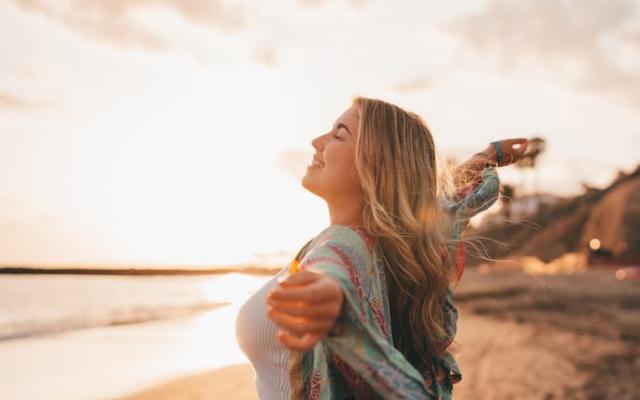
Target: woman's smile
(315, 163)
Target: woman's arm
(500, 153)
(477, 188)
(306, 306)
(359, 335)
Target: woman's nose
(317, 142)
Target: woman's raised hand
(305, 306)
(511, 151)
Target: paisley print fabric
(357, 360)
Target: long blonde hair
(396, 163)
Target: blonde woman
(365, 310)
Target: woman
(369, 313)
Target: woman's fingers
(517, 149)
(299, 343)
(309, 294)
(329, 309)
(512, 150)
(317, 292)
(514, 141)
(518, 146)
(303, 277)
(306, 304)
(300, 325)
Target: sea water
(100, 337)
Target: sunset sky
(176, 132)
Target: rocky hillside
(610, 215)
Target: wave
(31, 328)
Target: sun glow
(200, 185)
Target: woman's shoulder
(346, 236)
(348, 245)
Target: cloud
(10, 102)
(577, 41)
(311, 3)
(412, 86)
(267, 56)
(354, 4)
(111, 20)
(38, 101)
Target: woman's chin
(305, 181)
(308, 184)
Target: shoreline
(114, 361)
(519, 336)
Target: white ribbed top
(256, 335)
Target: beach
(519, 337)
(232, 382)
(87, 337)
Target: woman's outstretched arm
(335, 307)
(510, 150)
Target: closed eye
(338, 128)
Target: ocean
(102, 336)
(43, 304)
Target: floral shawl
(357, 358)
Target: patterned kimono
(357, 359)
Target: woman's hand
(305, 306)
(470, 170)
(512, 150)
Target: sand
(233, 382)
(520, 337)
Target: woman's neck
(346, 213)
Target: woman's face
(332, 173)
